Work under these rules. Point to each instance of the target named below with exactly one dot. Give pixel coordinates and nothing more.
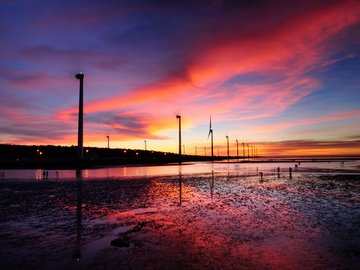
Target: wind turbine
(212, 140)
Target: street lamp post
(108, 139)
(80, 76)
(237, 148)
(227, 144)
(145, 144)
(179, 118)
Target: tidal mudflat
(191, 221)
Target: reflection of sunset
(224, 220)
(248, 223)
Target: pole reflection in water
(180, 186)
(79, 179)
(212, 185)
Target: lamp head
(79, 76)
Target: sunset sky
(281, 75)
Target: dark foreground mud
(186, 222)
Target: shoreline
(55, 164)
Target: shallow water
(213, 220)
(186, 168)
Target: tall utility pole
(80, 76)
(145, 144)
(184, 149)
(179, 118)
(205, 150)
(248, 151)
(237, 148)
(243, 144)
(108, 139)
(195, 151)
(227, 144)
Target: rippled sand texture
(190, 222)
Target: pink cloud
(329, 118)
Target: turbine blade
(209, 133)
(210, 122)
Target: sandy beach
(197, 221)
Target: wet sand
(220, 221)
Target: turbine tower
(243, 144)
(179, 117)
(212, 139)
(80, 76)
(227, 144)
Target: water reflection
(79, 197)
(180, 187)
(187, 168)
(212, 185)
(272, 225)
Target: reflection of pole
(180, 187)
(179, 117)
(108, 138)
(80, 77)
(212, 185)
(77, 252)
